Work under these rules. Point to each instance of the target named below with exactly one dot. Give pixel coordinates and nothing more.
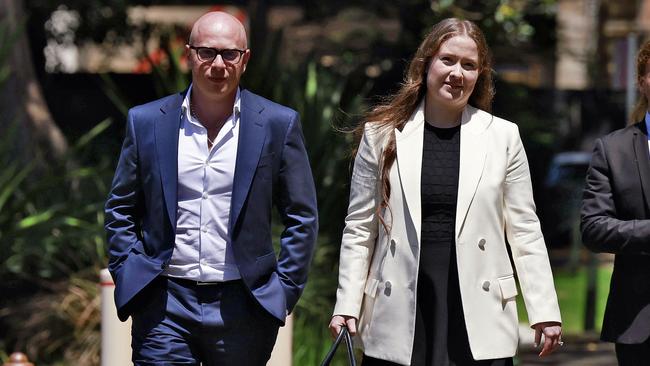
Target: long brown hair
(641, 106)
(396, 109)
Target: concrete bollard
(282, 351)
(116, 336)
(18, 359)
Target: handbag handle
(343, 334)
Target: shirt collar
(185, 107)
(647, 122)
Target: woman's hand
(339, 321)
(552, 336)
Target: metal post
(592, 282)
(282, 351)
(630, 80)
(116, 335)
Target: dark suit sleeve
(296, 203)
(602, 230)
(122, 207)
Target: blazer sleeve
(299, 214)
(602, 230)
(123, 206)
(525, 238)
(361, 226)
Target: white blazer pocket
(508, 287)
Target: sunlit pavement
(585, 350)
(578, 350)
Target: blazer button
(388, 288)
(486, 286)
(481, 244)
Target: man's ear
(188, 53)
(246, 57)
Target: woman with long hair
(438, 184)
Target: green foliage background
(51, 212)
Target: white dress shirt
(203, 250)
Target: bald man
(188, 217)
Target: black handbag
(348, 342)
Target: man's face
(218, 79)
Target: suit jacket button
(164, 265)
(486, 286)
(481, 244)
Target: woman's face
(644, 83)
(452, 72)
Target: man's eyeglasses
(208, 54)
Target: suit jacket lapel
(643, 160)
(166, 130)
(473, 153)
(251, 141)
(409, 164)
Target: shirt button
(205, 195)
(481, 244)
(205, 229)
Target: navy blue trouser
(177, 322)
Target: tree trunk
(257, 12)
(21, 97)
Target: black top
(439, 191)
(440, 331)
(439, 185)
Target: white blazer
(378, 272)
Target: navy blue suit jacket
(272, 169)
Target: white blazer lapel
(409, 163)
(473, 153)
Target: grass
(571, 291)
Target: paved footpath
(577, 351)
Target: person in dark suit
(188, 217)
(616, 219)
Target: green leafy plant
(328, 103)
(59, 323)
(52, 215)
(51, 221)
